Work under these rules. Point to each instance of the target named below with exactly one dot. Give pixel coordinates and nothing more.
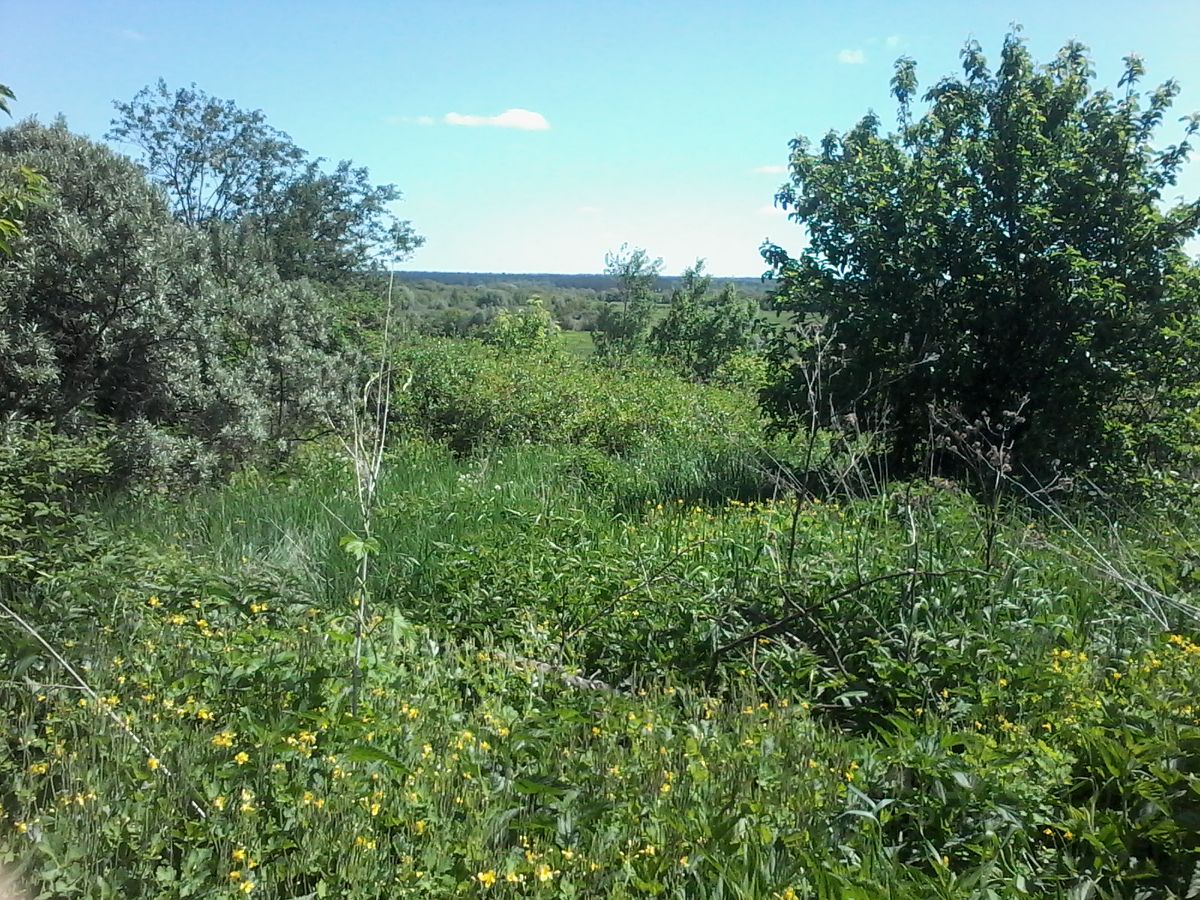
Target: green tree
(111, 310)
(702, 331)
(221, 164)
(18, 189)
(1011, 248)
(622, 328)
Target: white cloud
(771, 211)
(520, 119)
(130, 35)
(851, 57)
(892, 41)
(769, 170)
(588, 210)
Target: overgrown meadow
(609, 661)
(879, 581)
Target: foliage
(701, 333)
(111, 310)
(622, 332)
(18, 189)
(222, 164)
(1009, 247)
(530, 329)
(474, 396)
(982, 731)
(45, 480)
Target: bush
(1007, 251)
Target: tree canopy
(1012, 248)
(220, 164)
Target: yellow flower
(543, 872)
(152, 763)
(242, 758)
(22, 827)
(203, 715)
(224, 739)
(235, 875)
(789, 894)
(153, 601)
(39, 768)
(247, 887)
(218, 803)
(683, 861)
(419, 826)
(239, 855)
(487, 879)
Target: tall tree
(1010, 248)
(220, 164)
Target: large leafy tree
(1012, 247)
(113, 311)
(220, 164)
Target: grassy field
(591, 673)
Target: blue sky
(653, 123)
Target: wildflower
(683, 861)
(1003, 682)
(419, 826)
(202, 624)
(177, 619)
(789, 893)
(486, 879)
(152, 763)
(224, 739)
(242, 758)
(514, 878)
(218, 803)
(203, 715)
(247, 887)
(239, 855)
(235, 875)
(153, 602)
(39, 768)
(22, 827)
(543, 872)
(364, 842)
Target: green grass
(578, 343)
(860, 697)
